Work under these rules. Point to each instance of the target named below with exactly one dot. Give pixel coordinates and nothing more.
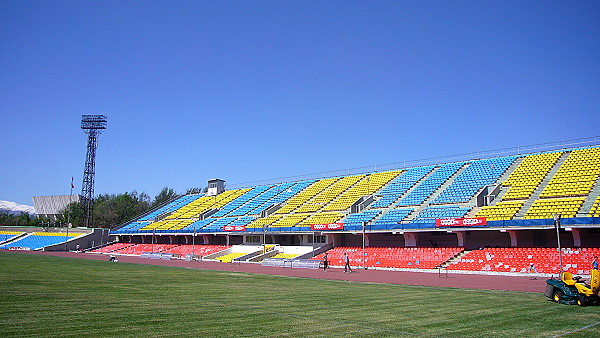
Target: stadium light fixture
(93, 122)
(93, 125)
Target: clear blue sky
(251, 90)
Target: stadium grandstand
(450, 214)
(494, 212)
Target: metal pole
(264, 239)
(153, 236)
(69, 215)
(557, 226)
(67, 238)
(194, 242)
(102, 240)
(313, 243)
(365, 225)
(363, 245)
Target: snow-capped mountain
(15, 209)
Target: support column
(205, 240)
(333, 239)
(410, 238)
(576, 237)
(461, 237)
(514, 242)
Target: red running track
(466, 281)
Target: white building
(51, 206)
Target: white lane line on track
(579, 329)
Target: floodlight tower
(93, 125)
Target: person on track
(347, 267)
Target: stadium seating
(176, 204)
(238, 202)
(366, 186)
(112, 247)
(230, 257)
(202, 204)
(138, 249)
(476, 175)
(321, 218)
(282, 193)
(358, 219)
(200, 250)
(503, 210)
(385, 257)
(290, 220)
(394, 216)
(576, 176)
(547, 208)
(430, 184)
(530, 186)
(529, 174)
(430, 214)
(183, 216)
(320, 200)
(545, 260)
(284, 255)
(306, 194)
(265, 221)
(38, 240)
(7, 235)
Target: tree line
(109, 209)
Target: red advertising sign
(460, 222)
(329, 226)
(234, 228)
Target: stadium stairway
(503, 189)
(454, 259)
(504, 177)
(436, 193)
(407, 192)
(538, 191)
(591, 198)
(11, 236)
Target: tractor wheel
(581, 301)
(557, 295)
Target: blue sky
(253, 90)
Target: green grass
(53, 296)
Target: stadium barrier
(394, 226)
(291, 263)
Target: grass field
(54, 296)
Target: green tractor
(573, 290)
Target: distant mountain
(15, 209)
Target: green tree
(72, 213)
(165, 195)
(112, 210)
(12, 219)
(109, 210)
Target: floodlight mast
(93, 125)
